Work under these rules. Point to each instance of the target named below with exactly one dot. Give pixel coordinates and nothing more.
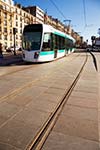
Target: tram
(43, 43)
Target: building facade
(36, 12)
(12, 16)
(21, 19)
(6, 22)
(15, 16)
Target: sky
(84, 14)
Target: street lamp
(69, 25)
(67, 20)
(93, 38)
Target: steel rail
(17, 70)
(43, 133)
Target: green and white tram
(42, 43)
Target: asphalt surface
(10, 58)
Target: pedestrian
(1, 54)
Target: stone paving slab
(74, 126)
(81, 112)
(67, 142)
(84, 102)
(25, 120)
(78, 125)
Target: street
(30, 93)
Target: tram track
(25, 68)
(40, 138)
(48, 74)
(17, 70)
(15, 92)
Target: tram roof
(48, 28)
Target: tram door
(55, 53)
(54, 44)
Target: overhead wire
(58, 9)
(84, 15)
(84, 12)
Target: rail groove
(23, 87)
(42, 135)
(25, 68)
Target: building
(97, 42)
(21, 19)
(14, 16)
(36, 12)
(6, 22)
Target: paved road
(78, 125)
(28, 97)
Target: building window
(21, 31)
(16, 10)
(5, 30)
(17, 24)
(16, 17)
(0, 29)
(20, 12)
(20, 18)
(0, 36)
(20, 25)
(16, 36)
(5, 37)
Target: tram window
(46, 42)
(68, 43)
(62, 43)
(58, 41)
(31, 40)
(52, 41)
(55, 44)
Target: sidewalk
(9, 58)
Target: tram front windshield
(31, 40)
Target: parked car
(11, 49)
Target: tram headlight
(36, 55)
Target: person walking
(1, 55)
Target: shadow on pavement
(94, 59)
(9, 58)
